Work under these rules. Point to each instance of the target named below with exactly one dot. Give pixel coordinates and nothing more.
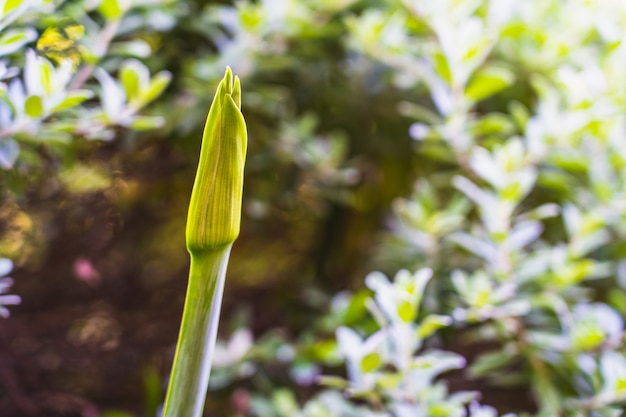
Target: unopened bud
(215, 209)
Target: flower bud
(215, 209)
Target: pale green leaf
(34, 107)
(9, 150)
(157, 85)
(13, 40)
(147, 123)
(488, 82)
(73, 99)
(113, 9)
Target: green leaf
(371, 362)
(406, 311)
(46, 74)
(113, 9)
(431, 324)
(141, 123)
(442, 68)
(587, 335)
(488, 82)
(134, 77)
(11, 5)
(155, 88)
(50, 136)
(419, 113)
(546, 395)
(136, 48)
(441, 409)
(489, 362)
(13, 40)
(130, 82)
(285, 403)
(492, 124)
(73, 99)
(520, 114)
(333, 382)
(617, 300)
(33, 107)
(85, 179)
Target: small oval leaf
(33, 106)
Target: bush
(518, 138)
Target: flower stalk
(213, 224)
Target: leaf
(520, 114)
(73, 99)
(332, 381)
(113, 97)
(478, 247)
(442, 69)
(46, 75)
(134, 77)
(487, 167)
(492, 124)
(546, 395)
(348, 341)
(285, 402)
(488, 82)
(482, 198)
(405, 311)
(9, 150)
(489, 362)
(13, 40)
(523, 234)
(85, 179)
(32, 72)
(371, 362)
(156, 87)
(10, 5)
(419, 112)
(10, 10)
(442, 96)
(141, 123)
(135, 48)
(435, 362)
(617, 299)
(613, 371)
(376, 280)
(34, 107)
(432, 323)
(113, 9)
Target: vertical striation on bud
(215, 209)
(212, 227)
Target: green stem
(196, 342)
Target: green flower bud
(215, 209)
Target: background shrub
(472, 150)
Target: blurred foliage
(480, 142)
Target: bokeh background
(362, 116)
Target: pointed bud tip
(236, 94)
(228, 80)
